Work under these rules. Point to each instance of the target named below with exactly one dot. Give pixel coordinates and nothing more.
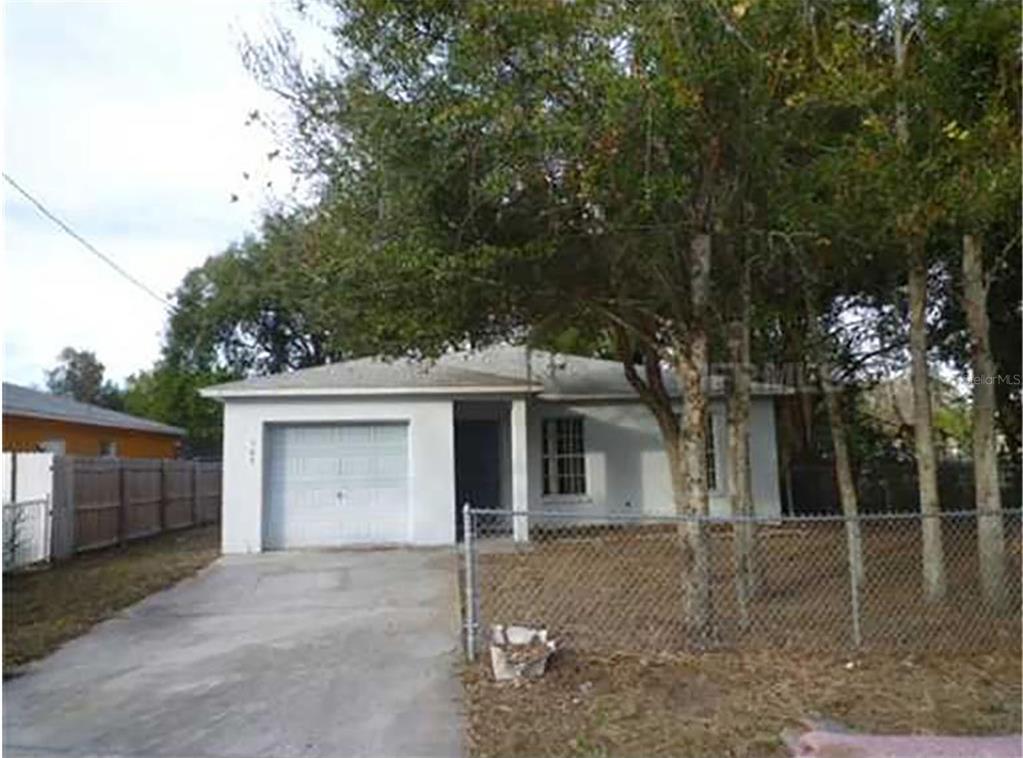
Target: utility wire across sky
(88, 245)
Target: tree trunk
(846, 493)
(691, 368)
(843, 472)
(990, 537)
(923, 437)
(739, 485)
(926, 458)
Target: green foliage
(883, 420)
(252, 309)
(858, 191)
(80, 375)
(171, 395)
(257, 308)
(527, 169)
(496, 169)
(973, 75)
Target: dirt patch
(733, 704)
(44, 608)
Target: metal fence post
(470, 584)
(852, 537)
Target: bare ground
(734, 704)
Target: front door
(477, 467)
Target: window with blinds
(564, 457)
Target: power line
(88, 245)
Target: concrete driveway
(350, 653)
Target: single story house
(375, 452)
(38, 421)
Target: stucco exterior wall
(25, 434)
(627, 469)
(431, 459)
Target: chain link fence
(618, 584)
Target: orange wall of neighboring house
(21, 433)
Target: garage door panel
(355, 434)
(395, 436)
(368, 517)
(337, 484)
(310, 436)
(391, 466)
(357, 465)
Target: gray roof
(502, 369)
(570, 376)
(369, 375)
(22, 401)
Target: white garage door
(336, 484)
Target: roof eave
(565, 397)
(169, 431)
(272, 392)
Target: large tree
(79, 374)
(976, 85)
(913, 220)
(933, 164)
(956, 137)
(517, 170)
(171, 394)
(499, 168)
(254, 308)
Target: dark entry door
(477, 467)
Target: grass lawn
(44, 608)
(733, 704)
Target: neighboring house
(34, 420)
(369, 451)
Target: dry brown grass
(613, 590)
(734, 704)
(630, 683)
(44, 608)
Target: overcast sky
(127, 119)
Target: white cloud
(129, 121)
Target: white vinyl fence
(27, 497)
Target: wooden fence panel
(178, 494)
(90, 503)
(143, 497)
(892, 487)
(97, 502)
(208, 492)
(62, 516)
